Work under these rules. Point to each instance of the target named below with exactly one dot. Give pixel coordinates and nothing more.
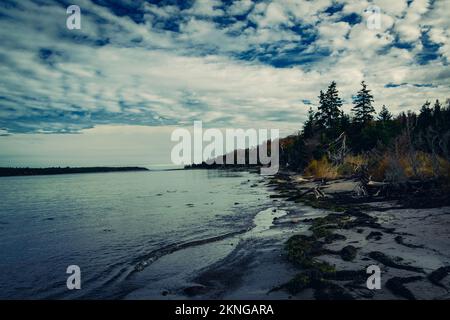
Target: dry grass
(398, 167)
(390, 167)
(351, 165)
(322, 169)
(379, 170)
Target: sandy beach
(321, 248)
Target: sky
(113, 91)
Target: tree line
(407, 135)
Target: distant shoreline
(12, 172)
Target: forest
(386, 147)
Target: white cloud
(195, 74)
(206, 8)
(240, 7)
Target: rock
(348, 253)
(334, 237)
(165, 293)
(324, 289)
(301, 249)
(374, 235)
(437, 275)
(140, 266)
(396, 286)
(400, 240)
(195, 290)
(389, 262)
(331, 291)
(353, 212)
(277, 196)
(360, 230)
(347, 275)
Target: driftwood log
(366, 187)
(318, 193)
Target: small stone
(374, 235)
(348, 253)
(195, 290)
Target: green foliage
(363, 108)
(428, 132)
(384, 116)
(329, 107)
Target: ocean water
(117, 226)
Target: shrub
(321, 169)
(351, 165)
(398, 167)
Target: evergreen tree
(329, 106)
(323, 110)
(384, 115)
(334, 103)
(437, 106)
(437, 114)
(425, 118)
(363, 108)
(308, 127)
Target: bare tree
(432, 140)
(395, 173)
(412, 154)
(444, 144)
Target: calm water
(114, 225)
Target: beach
(337, 241)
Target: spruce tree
(308, 127)
(425, 117)
(329, 107)
(363, 108)
(384, 115)
(322, 110)
(334, 103)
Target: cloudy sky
(112, 92)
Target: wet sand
(410, 246)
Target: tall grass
(389, 166)
(321, 169)
(395, 167)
